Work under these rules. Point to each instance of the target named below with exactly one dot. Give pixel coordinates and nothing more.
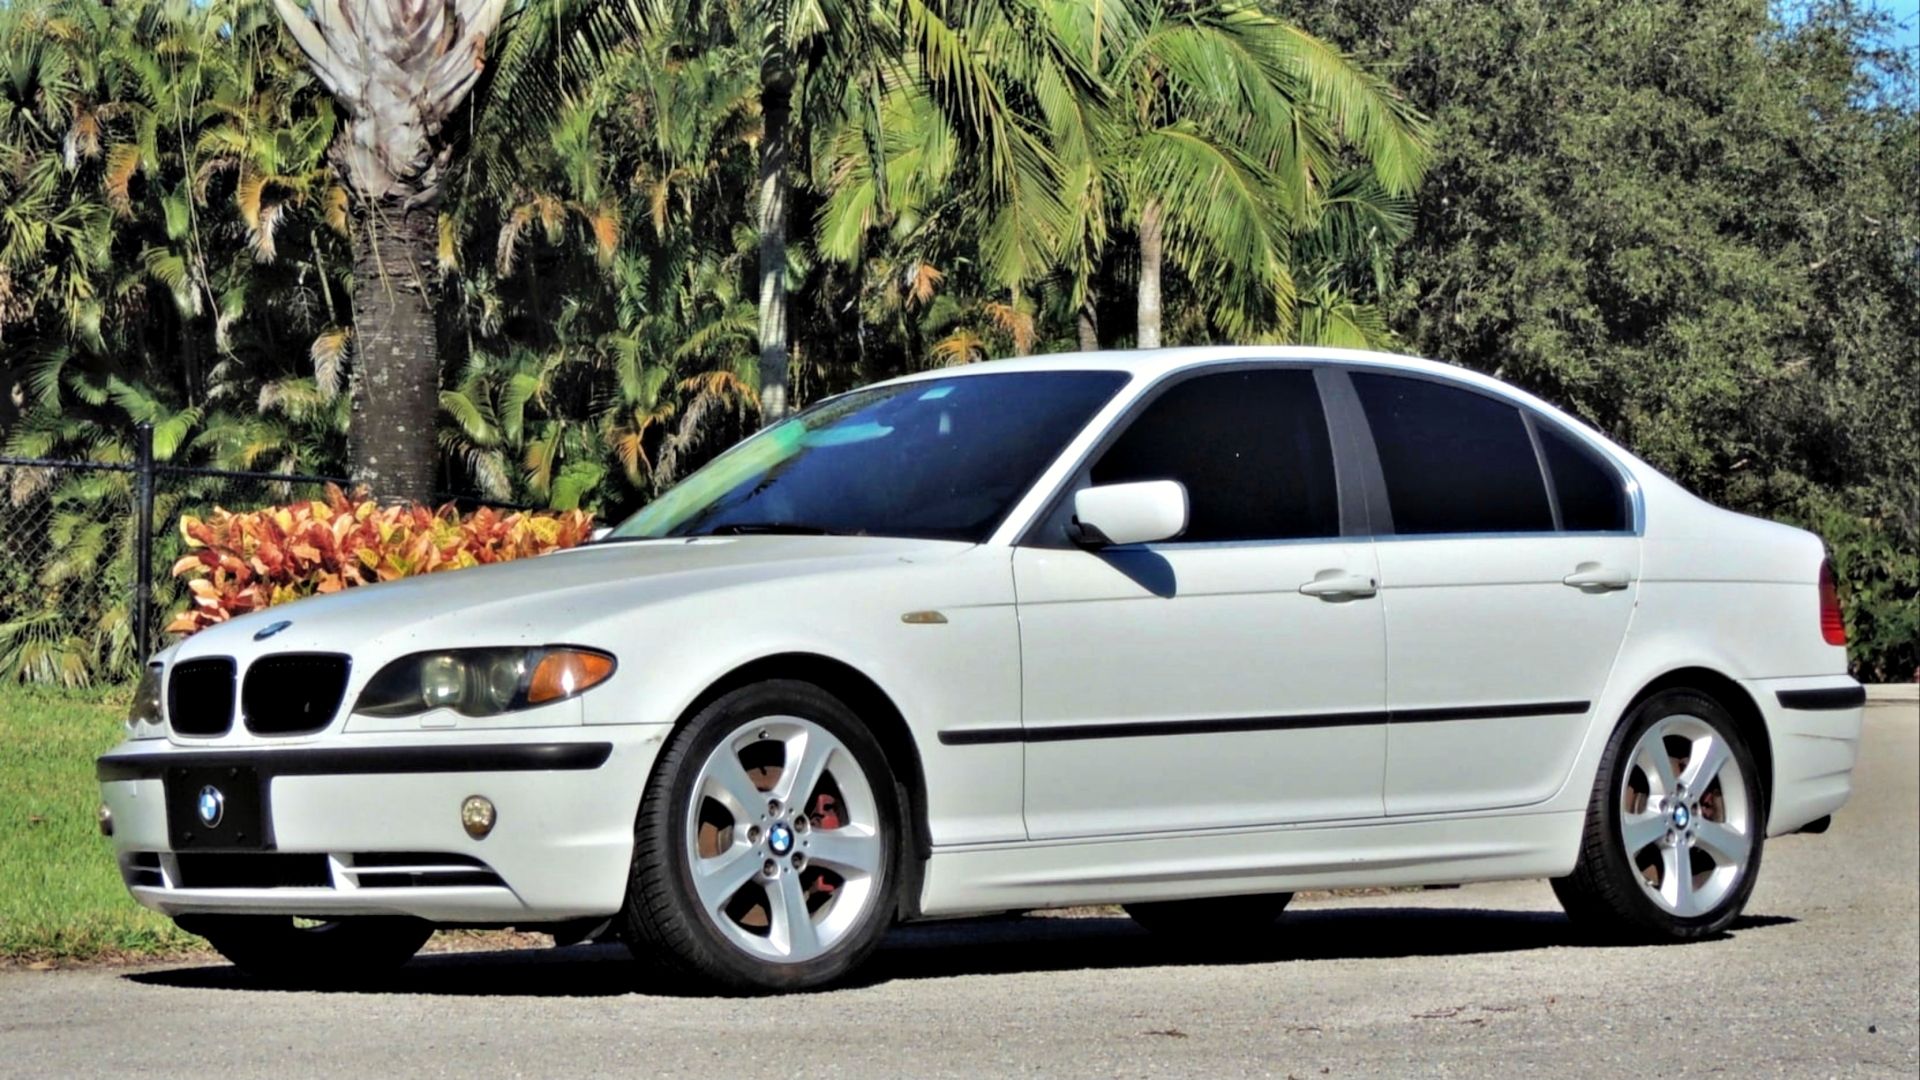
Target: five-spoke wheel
(766, 850)
(783, 836)
(1686, 816)
(1674, 833)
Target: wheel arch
(1739, 704)
(876, 708)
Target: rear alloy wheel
(1215, 918)
(1674, 831)
(767, 847)
(284, 951)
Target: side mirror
(1128, 513)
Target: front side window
(938, 458)
(1251, 447)
(1454, 461)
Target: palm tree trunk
(190, 358)
(1152, 242)
(396, 351)
(1087, 321)
(776, 115)
(1022, 343)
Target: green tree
(1695, 225)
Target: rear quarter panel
(1738, 596)
(1742, 588)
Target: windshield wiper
(768, 528)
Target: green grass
(60, 893)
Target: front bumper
(370, 825)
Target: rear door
(1192, 684)
(1508, 565)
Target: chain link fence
(87, 551)
(67, 571)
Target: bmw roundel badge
(212, 806)
(271, 629)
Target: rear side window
(1454, 461)
(1592, 498)
(1250, 446)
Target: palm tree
(610, 329)
(947, 176)
(809, 51)
(402, 70)
(1225, 129)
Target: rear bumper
(1815, 727)
(560, 848)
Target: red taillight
(1832, 626)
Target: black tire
(1606, 895)
(1213, 919)
(663, 923)
(273, 949)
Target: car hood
(536, 601)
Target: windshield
(939, 458)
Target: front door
(1507, 583)
(1232, 677)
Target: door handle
(1340, 585)
(1592, 577)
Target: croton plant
(241, 562)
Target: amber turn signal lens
(564, 672)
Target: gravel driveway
(1822, 978)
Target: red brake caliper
(825, 815)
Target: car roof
(1150, 364)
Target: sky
(1907, 14)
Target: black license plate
(217, 808)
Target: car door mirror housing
(1137, 513)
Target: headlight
(144, 720)
(483, 682)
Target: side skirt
(1007, 877)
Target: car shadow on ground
(992, 946)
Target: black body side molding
(1839, 697)
(1221, 725)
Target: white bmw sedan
(1183, 630)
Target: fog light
(105, 817)
(476, 816)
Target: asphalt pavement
(1820, 978)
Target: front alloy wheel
(1675, 831)
(766, 849)
(783, 837)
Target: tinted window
(1455, 461)
(942, 458)
(1591, 496)
(1251, 448)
